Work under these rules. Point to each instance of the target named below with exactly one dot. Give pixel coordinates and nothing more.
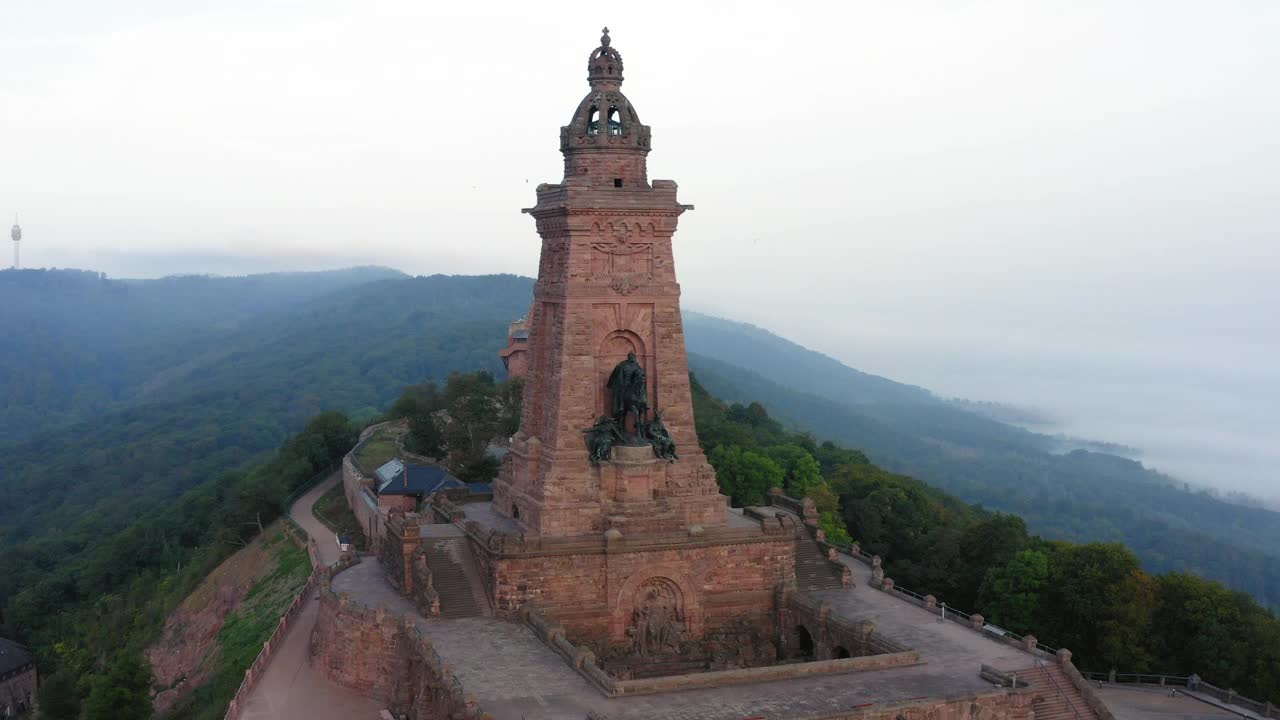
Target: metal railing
(1057, 688)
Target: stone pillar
(977, 621)
(820, 535)
(1193, 682)
(1064, 656)
(831, 554)
(887, 585)
(1111, 676)
(930, 602)
(1029, 642)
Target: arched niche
(613, 350)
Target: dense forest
(1092, 598)
(1080, 495)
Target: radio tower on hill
(16, 234)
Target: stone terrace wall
(589, 585)
(385, 657)
(829, 631)
(356, 486)
(998, 705)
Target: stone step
(1061, 699)
(813, 570)
(445, 558)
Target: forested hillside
(77, 344)
(1080, 496)
(108, 508)
(1093, 598)
(188, 376)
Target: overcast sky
(1070, 205)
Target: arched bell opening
(593, 121)
(615, 121)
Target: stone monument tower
(592, 455)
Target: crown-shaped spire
(604, 69)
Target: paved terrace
(514, 675)
(1148, 703)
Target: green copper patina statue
(656, 433)
(629, 392)
(601, 438)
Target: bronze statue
(601, 438)
(656, 433)
(629, 391)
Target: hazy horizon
(1071, 206)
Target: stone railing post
(1029, 642)
(831, 555)
(977, 621)
(930, 602)
(1111, 676)
(1193, 682)
(887, 585)
(1064, 656)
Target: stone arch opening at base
(804, 642)
(839, 652)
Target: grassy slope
(246, 628)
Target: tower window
(615, 122)
(593, 121)
(617, 182)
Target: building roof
(13, 656)
(419, 480)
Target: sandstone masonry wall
(384, 656)
(591, 590)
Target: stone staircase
(813, 570)
(1061, 700)
(454, 577)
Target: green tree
(745, 476)
(800, 471)
(58, 699)
(1010, 595)
(122, 693)
(829, 518)
(1087, 598)
(472, 408)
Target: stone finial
(821, 536)
(1064, 656)
(846, 577)
(1029, 642)
(875, 561)
(604, 38)
(977, 621)
(930, 601)
(832, 555)
(887, 585)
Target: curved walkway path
(290, 689)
